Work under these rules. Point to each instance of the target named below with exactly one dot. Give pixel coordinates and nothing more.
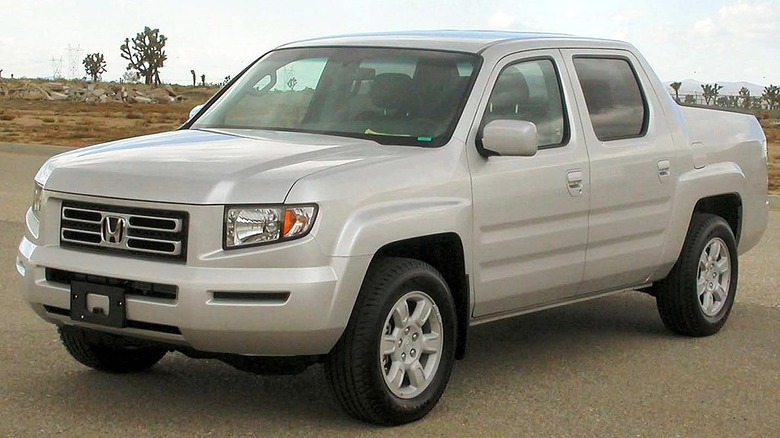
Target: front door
(530, 213)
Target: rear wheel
(393, 362)
(107, 352)
(697, 296)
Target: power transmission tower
(56, 67)
(74, 60)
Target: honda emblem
(113, 229)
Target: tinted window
(530, 91)
(615, 102)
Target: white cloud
(665, 33)
(622, 34)
(705, 28)
(628, 16)
(750, 20)
(501, 20)
(744, 19)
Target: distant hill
(692, 86)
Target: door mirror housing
(195, 110)
(513, 138)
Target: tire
(97, 351)
(697, 296)
(372, 383)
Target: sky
(706, 40)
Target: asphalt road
(603, 368)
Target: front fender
(376, 225)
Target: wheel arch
(716, 189)
(728, 206)
(443, 251)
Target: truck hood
(206, 167)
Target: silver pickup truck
(361, 201)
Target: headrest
(511, 89)
(393, 91)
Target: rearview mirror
(195, 110)
(514, 138)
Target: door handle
(664, 170)
(574, 182)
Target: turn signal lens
(289, 221)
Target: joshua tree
(131, 77)
(203, 80)
(710, 92)
(676, 87)
(1, 73)
(146, 54)
(95, 65)
(744, 94)
(727, 101)
(771, 96)
(193, 77)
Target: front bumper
(268, 311)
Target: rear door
(632, 167)
(530, 213)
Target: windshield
(392, 96)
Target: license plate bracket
(97, 304)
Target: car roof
(474, 41)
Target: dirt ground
(65, 123)
(69, 123)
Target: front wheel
(395, 357)
(697, 296)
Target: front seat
(394, 94)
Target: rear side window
(615, 101)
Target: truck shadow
(201, 395)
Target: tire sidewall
(423, 280)
(716, 228)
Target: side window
(530, 91)
(615, 102)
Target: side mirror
(195, 110)
(514, 138)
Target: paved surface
(602, 368)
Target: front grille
(159, 234)
(131, 287)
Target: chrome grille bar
(141, 231)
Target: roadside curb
(34, 149)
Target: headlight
(260, 224)
(37, 203)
